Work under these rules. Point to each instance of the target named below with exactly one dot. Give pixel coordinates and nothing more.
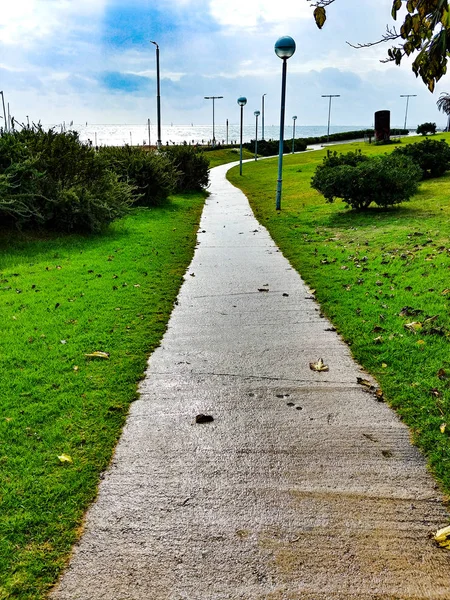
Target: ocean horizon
(138, 134)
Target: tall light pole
(213, 98)
(294, 118)
(242, 101)
(262, 116)
(256, 113)
(284, 49)
(407, 96)
(158, 96)
(5, 128)
(329, 111)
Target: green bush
(53, 180)
(426, 128)
(152, 175)
(192, 167)
(432, 156)
(272, 147)
(385, 180)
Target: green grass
(61, 298)
(226, 155)
(366, 267)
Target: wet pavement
(303, 486)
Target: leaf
(263, 289)
(320, 16)
(98, 354)
(442, 374)
(414, 326)
(318, 366)
(204, 418)
(65, 458)
(442, 427)
(384, 365)
(379, 395)
(445, 292)
(442, 537)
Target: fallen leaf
(442, 427)
(414, 326)
(263, 289)
(442, 374)
(65, 458)
(318, 366)
(421, 342)
(379, 395)
(364, 382)
(384, 365)
(75, 368)
(408, 311)
(435, 392)
(378, 340)
(63, 341)
(98, 354)
(445, 292)
(442, 537)
(204, 418)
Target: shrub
(272, 147)
(426, 128)
(54, 180)
(432, 156)
(192, 167)
(152, 175)
(384, 180)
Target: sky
(92, 60)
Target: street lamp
(242, 101)
(294, 118)
(158, 96)
(213, 98)
(256, 113)
(407, 96)
(284, 49)
(329, 111)
(5, 127)
(262, 117)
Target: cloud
(256, 14)
(26, 22)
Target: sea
(139, 134)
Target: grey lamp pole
(284, 49)
(213, 98)
(294, 118)
(407, 96)
(158, 96)
(262, 116)
(256, 113)
(5, 127)
(329, 111)
(242, 101)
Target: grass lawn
(226, 155)
(381, 276)
(61, 412)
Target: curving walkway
(303, 487)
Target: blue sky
(92, 60)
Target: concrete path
(303, 487)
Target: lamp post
(407, 96)
(329, 111)
(158, 96)
(294, 118)
(242, 101)
(262, 116)
(256, 113)
(5, 127)
(284, 49)
(213, 98)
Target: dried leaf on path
(442, 537)
(318, 366)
